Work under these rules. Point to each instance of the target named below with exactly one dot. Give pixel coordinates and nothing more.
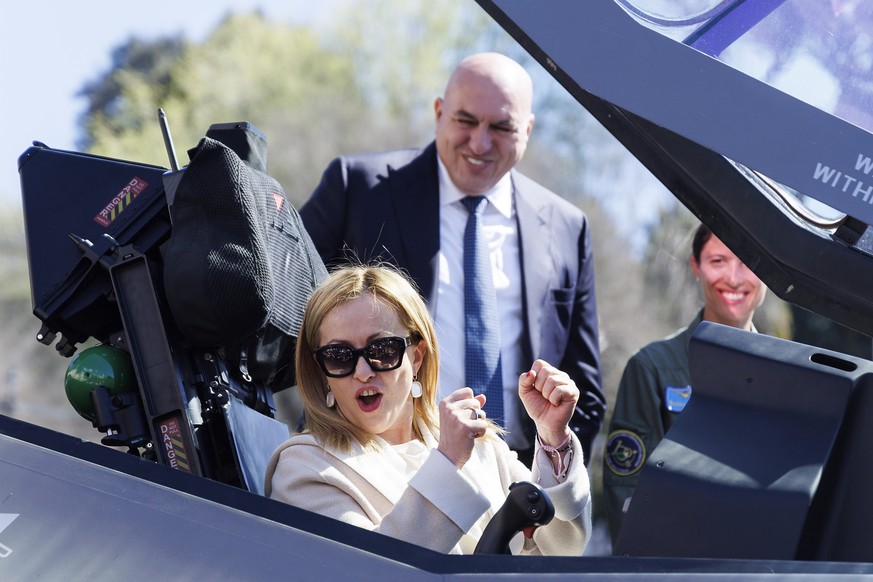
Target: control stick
(526, 506)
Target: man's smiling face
(483, 123)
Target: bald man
(405, 207)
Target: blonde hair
(396, 291)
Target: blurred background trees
(366, 82)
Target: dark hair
(701, 236)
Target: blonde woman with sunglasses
(379, 452)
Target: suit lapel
(536, 265)
(415, 194)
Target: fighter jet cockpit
(756, 114)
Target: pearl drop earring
(416, 389)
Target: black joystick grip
(526, 505)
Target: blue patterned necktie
(481, 322)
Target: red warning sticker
(120, 201)
(173, 444)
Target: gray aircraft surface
(756, 114)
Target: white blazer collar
(386, 470)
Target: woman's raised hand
(462, 421)
(549, 396)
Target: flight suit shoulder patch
(625, 452)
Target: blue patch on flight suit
(625, 452)
(677, 398)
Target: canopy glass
(818, 51)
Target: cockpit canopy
(756, 114)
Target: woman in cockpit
(379, 452)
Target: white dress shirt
(501, 231)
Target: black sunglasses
(383, 354)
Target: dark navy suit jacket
(386, 206)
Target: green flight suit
(654, 388)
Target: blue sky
(48, 50)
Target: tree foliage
(279, 77)
(138, 66)
(404, 66)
